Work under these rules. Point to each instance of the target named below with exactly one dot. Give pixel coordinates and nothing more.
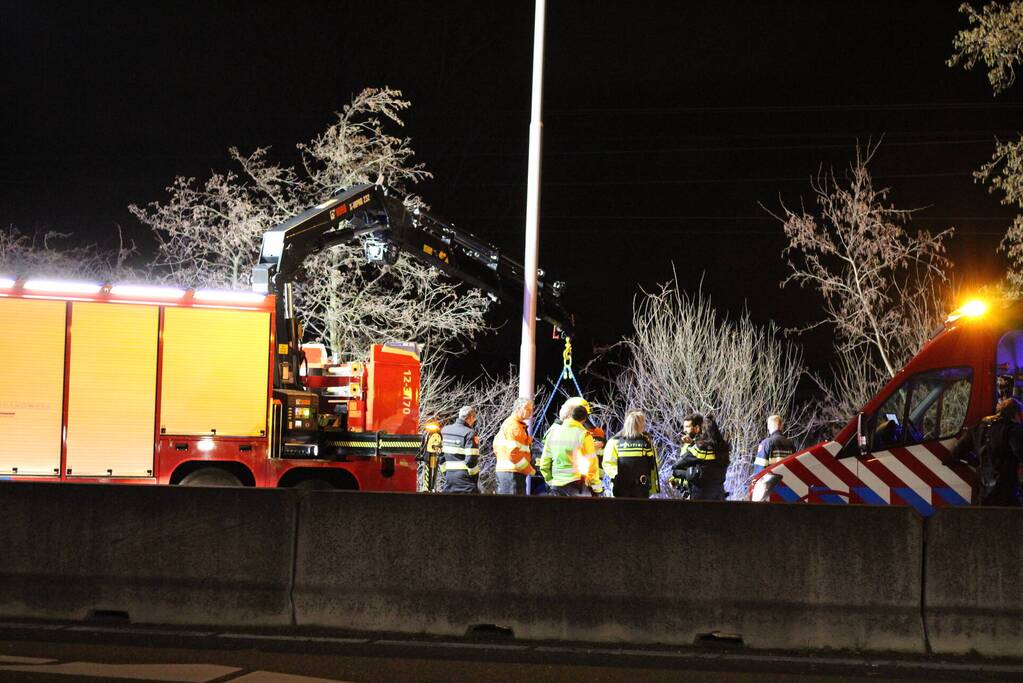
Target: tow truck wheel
(210, 476)
(314, 485)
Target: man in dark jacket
(995, 447)
(460, 448)
(775, 448)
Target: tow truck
(892, 452)
(125, 383)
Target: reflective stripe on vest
(511, 443)
(505, 465)
(701, 454)
(773, 460)
(457, 450)
(458, 467)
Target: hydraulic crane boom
(386, 228)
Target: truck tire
(210, 476)
(314, 485)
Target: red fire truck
(893, 451)
(145, 384)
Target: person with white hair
(460, 453)
(512, 448)
(775, 448)
(630, 459)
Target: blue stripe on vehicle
(950, 496)
(832, 499)
(914, 499)
(785, 492)
(823, 492)
(868, 495)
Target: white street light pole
(527, 350)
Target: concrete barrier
(671, 572)
(160, 554)
(973, 597)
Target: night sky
(665, 124)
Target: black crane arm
(387, 228)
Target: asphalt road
(96, 652)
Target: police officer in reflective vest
(630, 459)
(460, 453)
(569, 461)
(703, 459)
(512, 448)
(775, 448)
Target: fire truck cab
(892, 452)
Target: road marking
(183, 673)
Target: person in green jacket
(569, 461)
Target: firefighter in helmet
(569, 461)
(512, 448)
(460, 453)
(630, 459)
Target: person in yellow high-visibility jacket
(569, 461)
(511, 446)
(630, 460)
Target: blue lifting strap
(566, 373)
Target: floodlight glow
(147, 291)
(229, 297)
(6, 283)
(971, 309)
(57, 286)
(205, 445)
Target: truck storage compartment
(112, 390)
(31, 385)
(215, 372)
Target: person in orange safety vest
(512, 447)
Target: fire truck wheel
(314, 485)
(210, 476)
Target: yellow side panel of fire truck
(215, 372)
(111, 413)
(31, 385)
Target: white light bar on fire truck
(146, 292)
(229, 297)
(59, 287)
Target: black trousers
(631, 489)
(459, 481)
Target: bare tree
(350, 304)
(209, 234)
(685, 356)
(995, 38)
(876, 279)
(52, 254)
